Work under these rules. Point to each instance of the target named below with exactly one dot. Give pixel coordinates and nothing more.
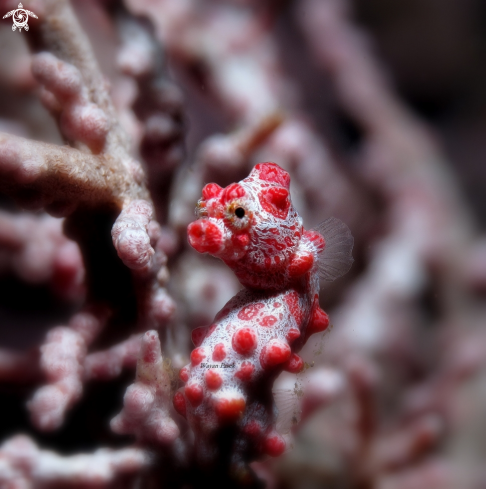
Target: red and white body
(253, 227)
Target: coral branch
(158, 106)
(62, 355)
(130, 235)
(36, 250)
(61, 35)
(409, 443)
(60, 178)
(62, 358)
(79, 119)
(23, 465)
(396, 401)
(146, 403)
(108, 364)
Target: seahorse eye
(240, 212)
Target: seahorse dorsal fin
(336, 258)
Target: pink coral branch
(61, 361)
(68, 181)
(146, 411)
(61, 358)
(387, 389)
(79, 119)
(108, 364)
(23, 465)
(392, 451)
(61, 34)
(135, 235)
(130, 235)
(35, 249)
(74, 182)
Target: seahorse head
(250, 224)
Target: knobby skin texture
(253, 227)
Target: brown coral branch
(61, 178)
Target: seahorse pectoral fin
(336, 258)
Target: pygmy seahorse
(253, 227)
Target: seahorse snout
(205, 236)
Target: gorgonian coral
(102, 241)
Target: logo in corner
(20, 17)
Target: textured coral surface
(115, 117)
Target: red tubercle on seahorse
(184, 374)
(232, 192)
(197, 356)
(219, 352)
(180, 404)
(194, 393)
(274, 353)
(245, 372)
(213, 380)
(294, 364)
(244, 341)
(275, 200)
(211, 190)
